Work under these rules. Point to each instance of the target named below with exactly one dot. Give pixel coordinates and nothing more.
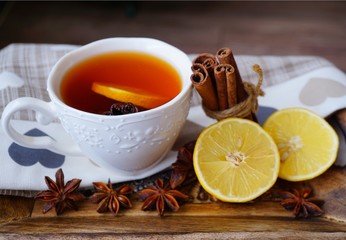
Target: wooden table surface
(318, 30)
(22, 217)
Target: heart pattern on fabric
(27, 156)
(9, 79)
(263, 113)
(317, 90)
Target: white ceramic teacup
(132, 142)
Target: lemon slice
(138, 97)
(307, 144)
(235, 160)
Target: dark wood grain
(15, 208)
(246, 220)
(203, 218)
(248, 27)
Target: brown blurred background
(251, 28)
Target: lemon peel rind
(147, 100)
(326, 125)
(259, 191)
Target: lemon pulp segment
(125, 94)
(236, 160)
(307, 144)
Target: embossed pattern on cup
(114, 139)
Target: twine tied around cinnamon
(245, 108)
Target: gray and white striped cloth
(31, 63)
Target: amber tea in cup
(135, 71)
(127, 144)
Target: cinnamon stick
(219, 83)
(231, 83)
(209, 65)
(202, 57)
(225, 56)
(208, 61)
(204, 86)
(221, 86)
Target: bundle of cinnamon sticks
(218, 82)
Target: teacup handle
(45, 114)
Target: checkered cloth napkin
(24, 68)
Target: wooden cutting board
(264, 218)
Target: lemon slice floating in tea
(307, 144)
(235, 160)
(126, 94)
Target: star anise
(122, 108)
(60, 195)
(301, 203)
(159, 196)
(110, 199)
(183, 166)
